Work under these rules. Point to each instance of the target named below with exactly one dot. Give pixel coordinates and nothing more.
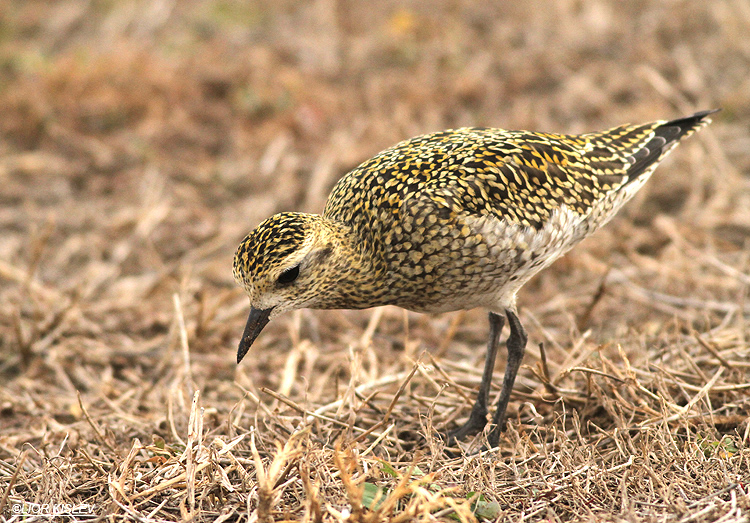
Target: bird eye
(289, 275)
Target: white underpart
(538, 249)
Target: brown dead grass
(142, 140)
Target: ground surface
(140, 141)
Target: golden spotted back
(472, 213)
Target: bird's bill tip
(257, 319)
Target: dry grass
(142, 140)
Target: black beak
(255, 322)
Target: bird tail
(675, 130)
(666, 136)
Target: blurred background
(141, 140)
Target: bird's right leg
(478, 417)
(516, 347)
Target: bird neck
(353, 278)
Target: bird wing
(522, 177)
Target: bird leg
(478, 417)
(516, 347)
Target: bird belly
(484, 265)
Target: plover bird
(452, 220)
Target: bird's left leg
(478, 417)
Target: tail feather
(674, 130)
(665, 138)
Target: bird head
(283, 265)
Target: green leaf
(722, 449)
(416, 471)
(373, 496)
(388, 469)
(486, 509)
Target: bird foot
(471, 427)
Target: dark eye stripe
(289, 275)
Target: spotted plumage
(451, 220)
